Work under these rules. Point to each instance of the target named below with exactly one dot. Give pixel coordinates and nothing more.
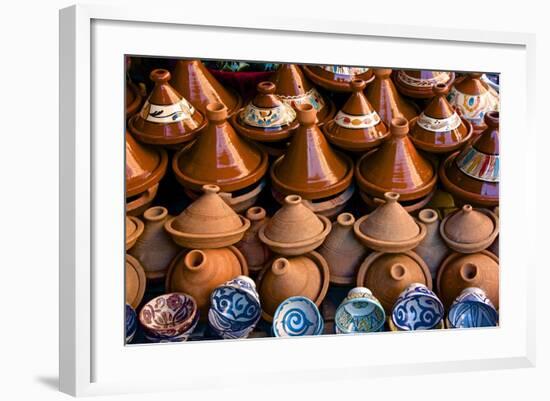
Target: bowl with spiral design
(297, 316)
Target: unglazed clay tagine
(417, 308)
(419, 84)
(357, 126)
(166, 118)
(135, 281)
(134, 229)
(297, 316)
(359, 312)
(207, 223)
(439, 129)
(432, 249)
(337, 77)
(255, 251)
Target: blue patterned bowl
(130, 318)
(417, 308)
(297, 316)
(234, 308)
(472, 308)
(359, 312)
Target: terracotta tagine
(387, 275)
(133, 99)
(337, 77)
(255, 251)
(390, 228)
(386, 100)
(294, 229)
(472, 175)
(155, 249)
(135, 282)
(460, 271)
(198, 272)
(342, 251)
(294, 88)
(494, 248)
(166, 118)
(134, 229)
(473, 98)
(439, 129)
(306, 275)
(357, 126)
(419, 83)
(432, 249)
(208, 222)
(196, 84)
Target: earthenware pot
(138, 204)
(155, 249)
(473, 174)
(387, 275)
(306, 275)
(494, 248)
(390, 228)
(472, 308)
(372, 202)
(135, 281)
(459, 271)
(342, 251)
(336, 77)
(360, 312)
(133, 99)
(130, 323)
(419, 84)
(297, 316)
(166, 118)
(417, 308)
(134, 229)
(357, 126)
(432, 249)
(294, 229)
(255, 251)
(207, 223)
(197, 272)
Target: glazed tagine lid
(337, 77)
(357, 126)
(219, 156)
(208, 222)
(310, 167)
(386, 100)
(166, 118)
(133, 99)
(439, 128)
(135, 281)
(473, 174)
(390, 228)
(396, 166)
(266, 118)
(134, 229)
(419, 83)
(294, 88)
(196, 84)
(145, 166)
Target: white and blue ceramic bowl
(297, 316)
(417, 308)
(359, 312)
(472, 308)
(130, 323)
(234, 308)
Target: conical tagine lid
(357, 126)
(337, 77)
(166, 118)
(219, 156)
(419, 83)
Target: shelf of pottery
(321, 200)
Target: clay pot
(207, 223)
(387, 275)
(386, 100)
(432, 248)
(336, 77)
(494, 248)
(342, 251)
(265, 118)
(460, 271)
(198, 272)
(469, 230)
(372, 202)
(166, 118)
(390, 228)
(155, 249)
(473, 175)
(133, 99)
(419, 84)
(396, 166)
(306, 275)
(439, 129)
(255, 251)
(134, 229)
(294, 229)
(136, 205)
(196, 84)
(357, 126)
(294, 89)
(135, 282)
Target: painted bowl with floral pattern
(359, 312)
(130, 323)
(297, 316)
(417, 308)
(161, 338)
(472, 308)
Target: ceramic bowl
(297, 316)
(359, 312)
(158, 338)
(234, 308)
(417, 308)
(130, 323)
(472, 308)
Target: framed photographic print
(265, 190)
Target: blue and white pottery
(130, 323)
(297, 316)
(417, 308)
(234, 308)
(359, 312)
(472, 308)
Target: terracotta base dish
(135, 282)
(133, 99)
(137, 205)
(134, 229)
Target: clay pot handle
(391, 197)
(293, 200)
(194, 260)
(440, 89)
(160, 76)
(155, 213)
(280, 266)
(398, 271)
(357, 85)
(399, 127)
(210, 189)
(428, 216)
(266, 87)
(492, 119)
(468, 271)
(216, 112)
(306, 114)
(255, 213)
(345, 219)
